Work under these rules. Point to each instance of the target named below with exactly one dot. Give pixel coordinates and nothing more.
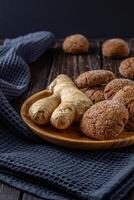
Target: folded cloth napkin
(38, 167)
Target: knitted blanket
(43, 169)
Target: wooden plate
(71, 137)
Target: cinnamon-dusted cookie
(114, 86)
(104, 120)
(115, 47)
(96, 94)
(76, 43)
(126, 97)
(130, 124)
(94, 78)
(127, 68)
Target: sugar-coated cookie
(126, 97)
(105, 120)
(94, 78)
(96, 94)
(115, 47)
(114, 86)
(130, 124)
(76, 43)
(127, 68)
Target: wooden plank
(132, 194)
(29, 197)
(8, 193)
(73, 65)
(21, 195)
(40, 71)
(129, 196)
(92, 60)
(57, 62)
(131, 46)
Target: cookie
(126, 97)
(96, 94)
(104, 120)
(115, 48)
(94, 78)
(114, 86)
(126, 68)
(76, 44)
(130, 124)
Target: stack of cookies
(92, 83)
(113, 108)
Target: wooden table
(46, 69)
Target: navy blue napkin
(38, 167)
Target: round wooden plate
(71, 137)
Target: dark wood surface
(46, 69)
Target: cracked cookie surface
(104, 120)
(126, 97)
(96, 94)
(126, 68)
(94, 78)
(115, 47)
(114, 86)
(76, 43)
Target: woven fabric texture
(38, 167)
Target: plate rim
(64, 139)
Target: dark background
(94, 18)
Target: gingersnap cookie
(76, 43)
(130, 124)
(114, 86)
(115, 47)
(105, 120)
(127, 68)
(96, 94)
(94, 78)
(125, 96)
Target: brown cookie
(96, 94)
(104, 120)
(115, 48)
(76, 44)
(126, 97)
(114, 86)
(127, 68)
(130, 124)
(94, 78)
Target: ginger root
(73, 102)
(67, 104)
(41, 111)
(63, 116)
